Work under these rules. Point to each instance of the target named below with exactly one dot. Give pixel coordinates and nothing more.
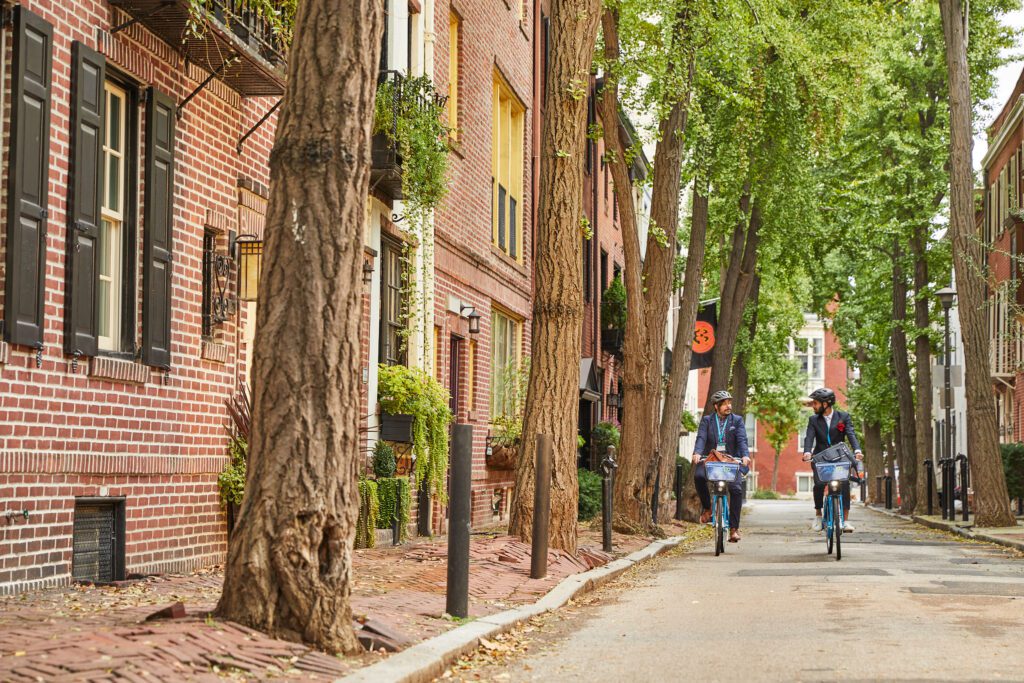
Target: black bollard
(655, 496)
(888, 492)
(1020, 506)
(541, 508)
(608, 466)
(679, 491)
(965, 483)
(460, 496)
(949, 489)
(929, 475)
(423, 509)
(396, 530)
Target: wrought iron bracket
(231, 59)
(241, 140)
(396, 219)
(142, 15)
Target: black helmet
(720, 396)
(824, 395)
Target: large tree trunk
(874, 462)
(553, 395)
(682, 348)
(775, 471)
(904, 386)
(923, 363)
(648, 288)
(290, 558)
(991, 500)
(741, 370)
(736, 288)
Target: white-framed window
(110, 266)
(506, 342)
(809, 352)
(804, 482)
(751, 424)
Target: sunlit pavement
(903, 604)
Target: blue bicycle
(720, 475)
(835, 473)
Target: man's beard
(821, 410)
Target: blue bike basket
(833, 471)
(722, 471)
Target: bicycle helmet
(720, 396)
(824, 395)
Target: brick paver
(98, 633)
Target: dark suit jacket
(735, 436)
(816, 440)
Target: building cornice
(1005, 130)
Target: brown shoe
(734, 536)
(705, 517)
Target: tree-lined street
(904, 604)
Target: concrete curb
(954, 528)
(429, 659)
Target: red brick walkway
(92, 633)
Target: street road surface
(904, 604)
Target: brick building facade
(120, 194)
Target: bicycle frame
(832, 527)
(720, 508)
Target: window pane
(104, 254)
(113, 182)
(114, 118)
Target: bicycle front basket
(722, 471)
(833, 471)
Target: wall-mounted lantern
(469, 313)
(249, 255)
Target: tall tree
(907, 454)
(290, 560)
(992, 502)
(552, 394)
(922, 362)
(648, 281)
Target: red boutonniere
(841, 427)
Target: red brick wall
(467, 266)
(160, 444)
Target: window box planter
(502, 457)
(613, 340)
(396, 428)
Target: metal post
(888, 492)
(1020, 506)
(457, 603)
(396, 529)
(947, 452)
(608, 466)
(423, 509)
(679, 491)
(964, 483)
(655, 496)
(541, 508)
(929, 475)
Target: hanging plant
(369, 506)
(411, 391)
(394, 500)
(613, 305)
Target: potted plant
(687, 423)
(415, 393)
(603, 435)
(507, 425)
(231, 480)
(613, 316)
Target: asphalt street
(904, 604)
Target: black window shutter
(88, 69)
(158, 216)
(28, 184)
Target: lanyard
(720, 426)
(828, 429)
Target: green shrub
(383, 460)
(590, 495)
(766, 494)
(1013, 466)
(231, 480)
(613, 305)
(688, 421)
(393, 498)
(605, 434)
(369, 507)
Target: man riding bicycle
(723, 433)
(826, 428)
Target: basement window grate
(98, 540)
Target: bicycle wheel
(837, 515)
(719, 526)
(828, 525)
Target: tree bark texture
(553, 392)
(923, 363)
(736, 288)
(682, 347)
(741, 370)
(905, 420)
(874, 463)
(991, 500)
(290, 559)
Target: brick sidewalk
(98, 633)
